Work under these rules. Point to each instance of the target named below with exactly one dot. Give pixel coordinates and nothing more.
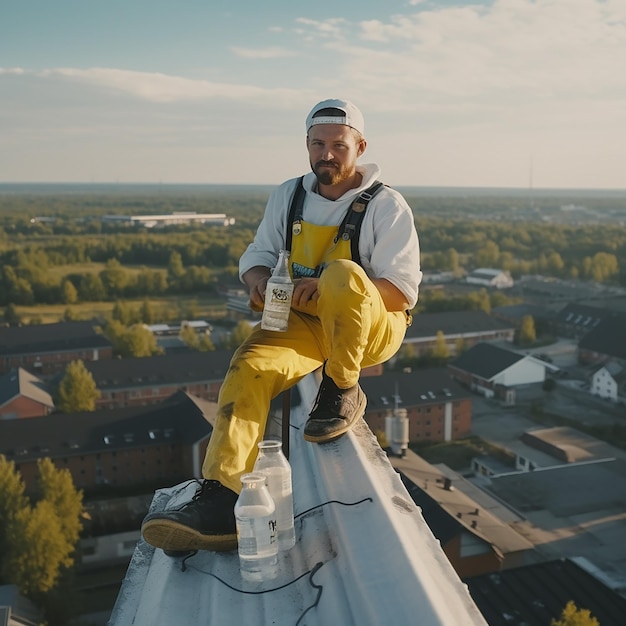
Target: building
(46, 349)
(535, 595)
(16, 610)
(475, 540)
(461, 329)
(604, 342)
(609, 381)
(489, 277)
(173, 219)
(438, 408)
(576, 320)
(143, 381)
(23, 394)
(493, 371)
(139, 446)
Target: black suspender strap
(350, 227)
(295, 212)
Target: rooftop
(364, 554)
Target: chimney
(474, 523)
(447, 484)
(397, 431)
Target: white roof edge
(377, 560)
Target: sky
(509, 93)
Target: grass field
(165, 309)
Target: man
(345, 316)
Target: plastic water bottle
(274, 465)
(256, 530)
(278, 296)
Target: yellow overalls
(349, 328)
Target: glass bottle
(255, 514)
(278, 296)
(274, 465)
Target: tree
(12, 498)
(573, 616)
(240, 332)
(527, 333)
(69, 295)
(146, 312)
(441, 351)
(189, 337)
(136, 341)
(56, 486)
(175, 268)
(11, 316)
(37, 540)
(77, 390)
(206, 343)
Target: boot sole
(170, 535)
(342, 431)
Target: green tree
(236, 338)
(125, 313)
(175, 268)
(206, 343)
(69, 294)
(146, 312)
(69, 315)
(77, 390)
(11, 316)
(91, 288)
(441, 351)
(12, 498)
(37, 549)
(57, 487)
(114, 278)
(136, 341)
(38, 540)
(527, 334)
(189, 337)
(573, 616)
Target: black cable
(262, 591)
(318, 506)
(311, 573)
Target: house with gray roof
(493, 371)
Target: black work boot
(335, 411)
(207, 522)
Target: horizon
(455, 93)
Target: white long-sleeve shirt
(388, 243)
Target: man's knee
(341, 275)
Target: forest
(55, 248)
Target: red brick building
(144, 381)
(46, 349)
(24, 395)
(438, 408)
(140, 446)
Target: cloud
(158, 87)
(509, 49)
(262, 53)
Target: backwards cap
(351, 115)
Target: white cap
(352, 116)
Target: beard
(330, 173)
